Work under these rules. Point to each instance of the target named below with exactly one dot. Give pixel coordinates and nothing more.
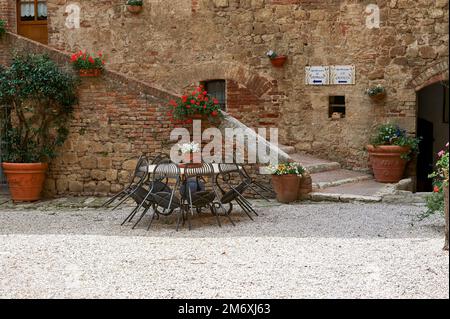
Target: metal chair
(201, 198)
(254, 184)
(235, 183)
(161, 197)
(139, 177)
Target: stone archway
(431, 87)
(434, 73)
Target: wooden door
(32, 20)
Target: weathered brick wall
(8, 14)
(116, 119)
(181, 42)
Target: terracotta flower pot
(198, 116)
(25, 180)
(387, 163)
(134, 9)
(378, 97)
(446, 216)
(279, 61)
(286, 187)
(90, 72)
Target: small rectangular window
(217, 89)
(336, 107)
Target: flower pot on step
(286, 187)
(279, 61)
(387, 163)
(25, 181)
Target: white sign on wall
(317, 75)
(342, 75)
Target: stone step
(337, 177)
(344, 198)
(362, 191)
(287, 149)
(314, 164)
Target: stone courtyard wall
(175, 44)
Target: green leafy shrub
(40, 99)
(391, 134)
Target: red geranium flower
(436, 189)
(216, 101)
(214, 113)
(91, 60)
(184, 98)
(192, 101)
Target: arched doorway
(433, 127)
(32, 20)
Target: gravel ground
(290, 251)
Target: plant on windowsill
(376, 93)
(390, 151)
(88, 65)
(437, 202)
(40, 98)
(196, 105)
(276, 60)
(134, 6)
(2, 28)
(286, 181)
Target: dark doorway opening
(433, 127)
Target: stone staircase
(333, 183)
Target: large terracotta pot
(446, 216)
(279, 61)
(387, 163)
(286, 187)
(25, 180)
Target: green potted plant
(277, 60)
(88, 65)
(2, 28)
(196, 105)
(390, 150)
(40, 97)
(134, 6)
(438, 200)
(376, 93)
(286, 181)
